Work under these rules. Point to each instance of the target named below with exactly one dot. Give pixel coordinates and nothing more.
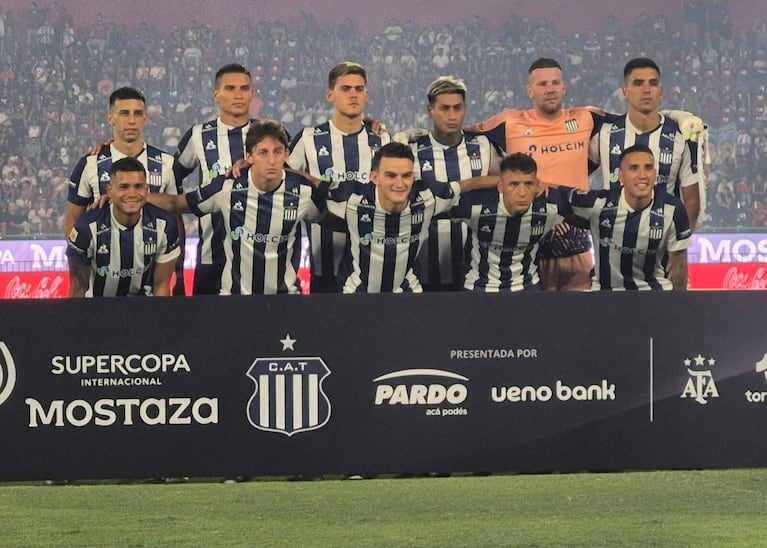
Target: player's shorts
(323, 284)
(207, 279)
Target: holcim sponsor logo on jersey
(440, 392)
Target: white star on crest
(287, 342)
(699, 360)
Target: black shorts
(207, 279)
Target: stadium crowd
(55, 78)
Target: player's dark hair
(231, 68)
(638, 63)
(261, 129)
(519, 161)
(636, 148)
(391, 150)
(543, 62)
(122, 94)
(342, 69)
(128, 164)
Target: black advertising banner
(372, 384)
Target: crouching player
(641, 232)
(507, 225)
(128, 248)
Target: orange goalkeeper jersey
(560, 147)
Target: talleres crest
(289, 396)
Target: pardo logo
(7, 373)
(421, 394)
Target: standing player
(558, 140)
(388, 220)
(447, 154)
(128, 248)
(507, 225)
(214, 147)
(262, 210)
(676, 159)
(127, 115)
(637, 229)
(341, 149)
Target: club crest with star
(289, 396)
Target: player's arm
(175, 203)
(476, 183)
(677, 269)
(73, 213)
(494, 129)
(691, 126)
(691, 198)
(161, 278)
(79, 279)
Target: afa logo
(7, 373)
(700, 386)
(289, 397)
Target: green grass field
(699, 508)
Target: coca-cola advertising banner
(37, 269)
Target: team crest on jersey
(7, 373)
(426, 166)
(416, 218)
(571, 125)
(700, 386)
(103, 250)
(150, 247)
(291, 213)
(656, 232)
(323, 151)
(475, 162)
(665, 156)
(289, 396)
(155, 179)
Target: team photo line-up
(510, 204)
